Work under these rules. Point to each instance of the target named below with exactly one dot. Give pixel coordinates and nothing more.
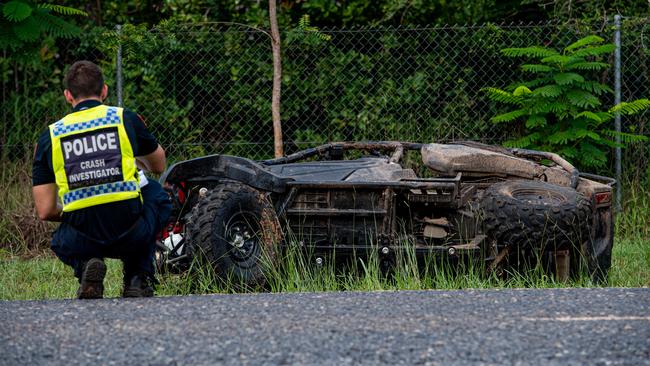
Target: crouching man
(90, 159)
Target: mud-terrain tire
(234, 229)
(536, 215)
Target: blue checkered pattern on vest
(86, 192)
(111, 119)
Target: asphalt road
(563, 327)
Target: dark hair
(84, 79)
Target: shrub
(560, 107)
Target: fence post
(617, 100)
(118, 66)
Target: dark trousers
(135, 249)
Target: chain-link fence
(206, 88)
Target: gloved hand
(143, 178)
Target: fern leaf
(586, 41)
(568, 152)
(523, 142)
(591, 156)
(582, 132)
(605, 116)
(587, 65)
(521, 90)
(536, 82)
(609, 143)
(536, 120)
(536, 68)
(502, 96)
(582, 98)
(27, 30)
(594, 136)
(535, 52)
(590, 115)
(55, 26)
(561, 137)
(548, 91)
(16, 11)
(630, 108)
(626, 138)
(304, 21)
(558, 106)
(560, 60)
(594, 51)
(509, 116)
(566, 78)
(65, 10)
(594, 87)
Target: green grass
(631, 257)
(47, 278)
(27, 272)
(631, 263)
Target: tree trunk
(277, 80)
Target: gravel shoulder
(555, 326)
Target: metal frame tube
(617, 100)
(118, 67)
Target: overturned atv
(502, 207)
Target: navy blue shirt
(108, 220)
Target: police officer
(90, 160)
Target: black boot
(92, 279)
(138, 286)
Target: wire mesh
(206, 88)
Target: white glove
(143, 179)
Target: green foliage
(16, 11)
(630, 108)
(560, 109)
(305, 26)
(24, 24)
(64, 10)
(306, 34)
(536, 68)
(503, 96)
(585, 41)
(28, 35)
(533, 52)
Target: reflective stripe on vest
(93, 159)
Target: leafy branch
(560, 108)
(24, 24)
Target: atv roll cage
(345, 203)
(336, 149)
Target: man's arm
(47, 206)
(154, 162)
(150, 156)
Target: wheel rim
(242, 236)
(538, 197)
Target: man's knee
(70, 248)
(153, 194)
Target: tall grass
(297, 271)
(21, 232)
(631, 257)
(634, 221)
(23, 235)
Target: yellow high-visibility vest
(92, 158)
